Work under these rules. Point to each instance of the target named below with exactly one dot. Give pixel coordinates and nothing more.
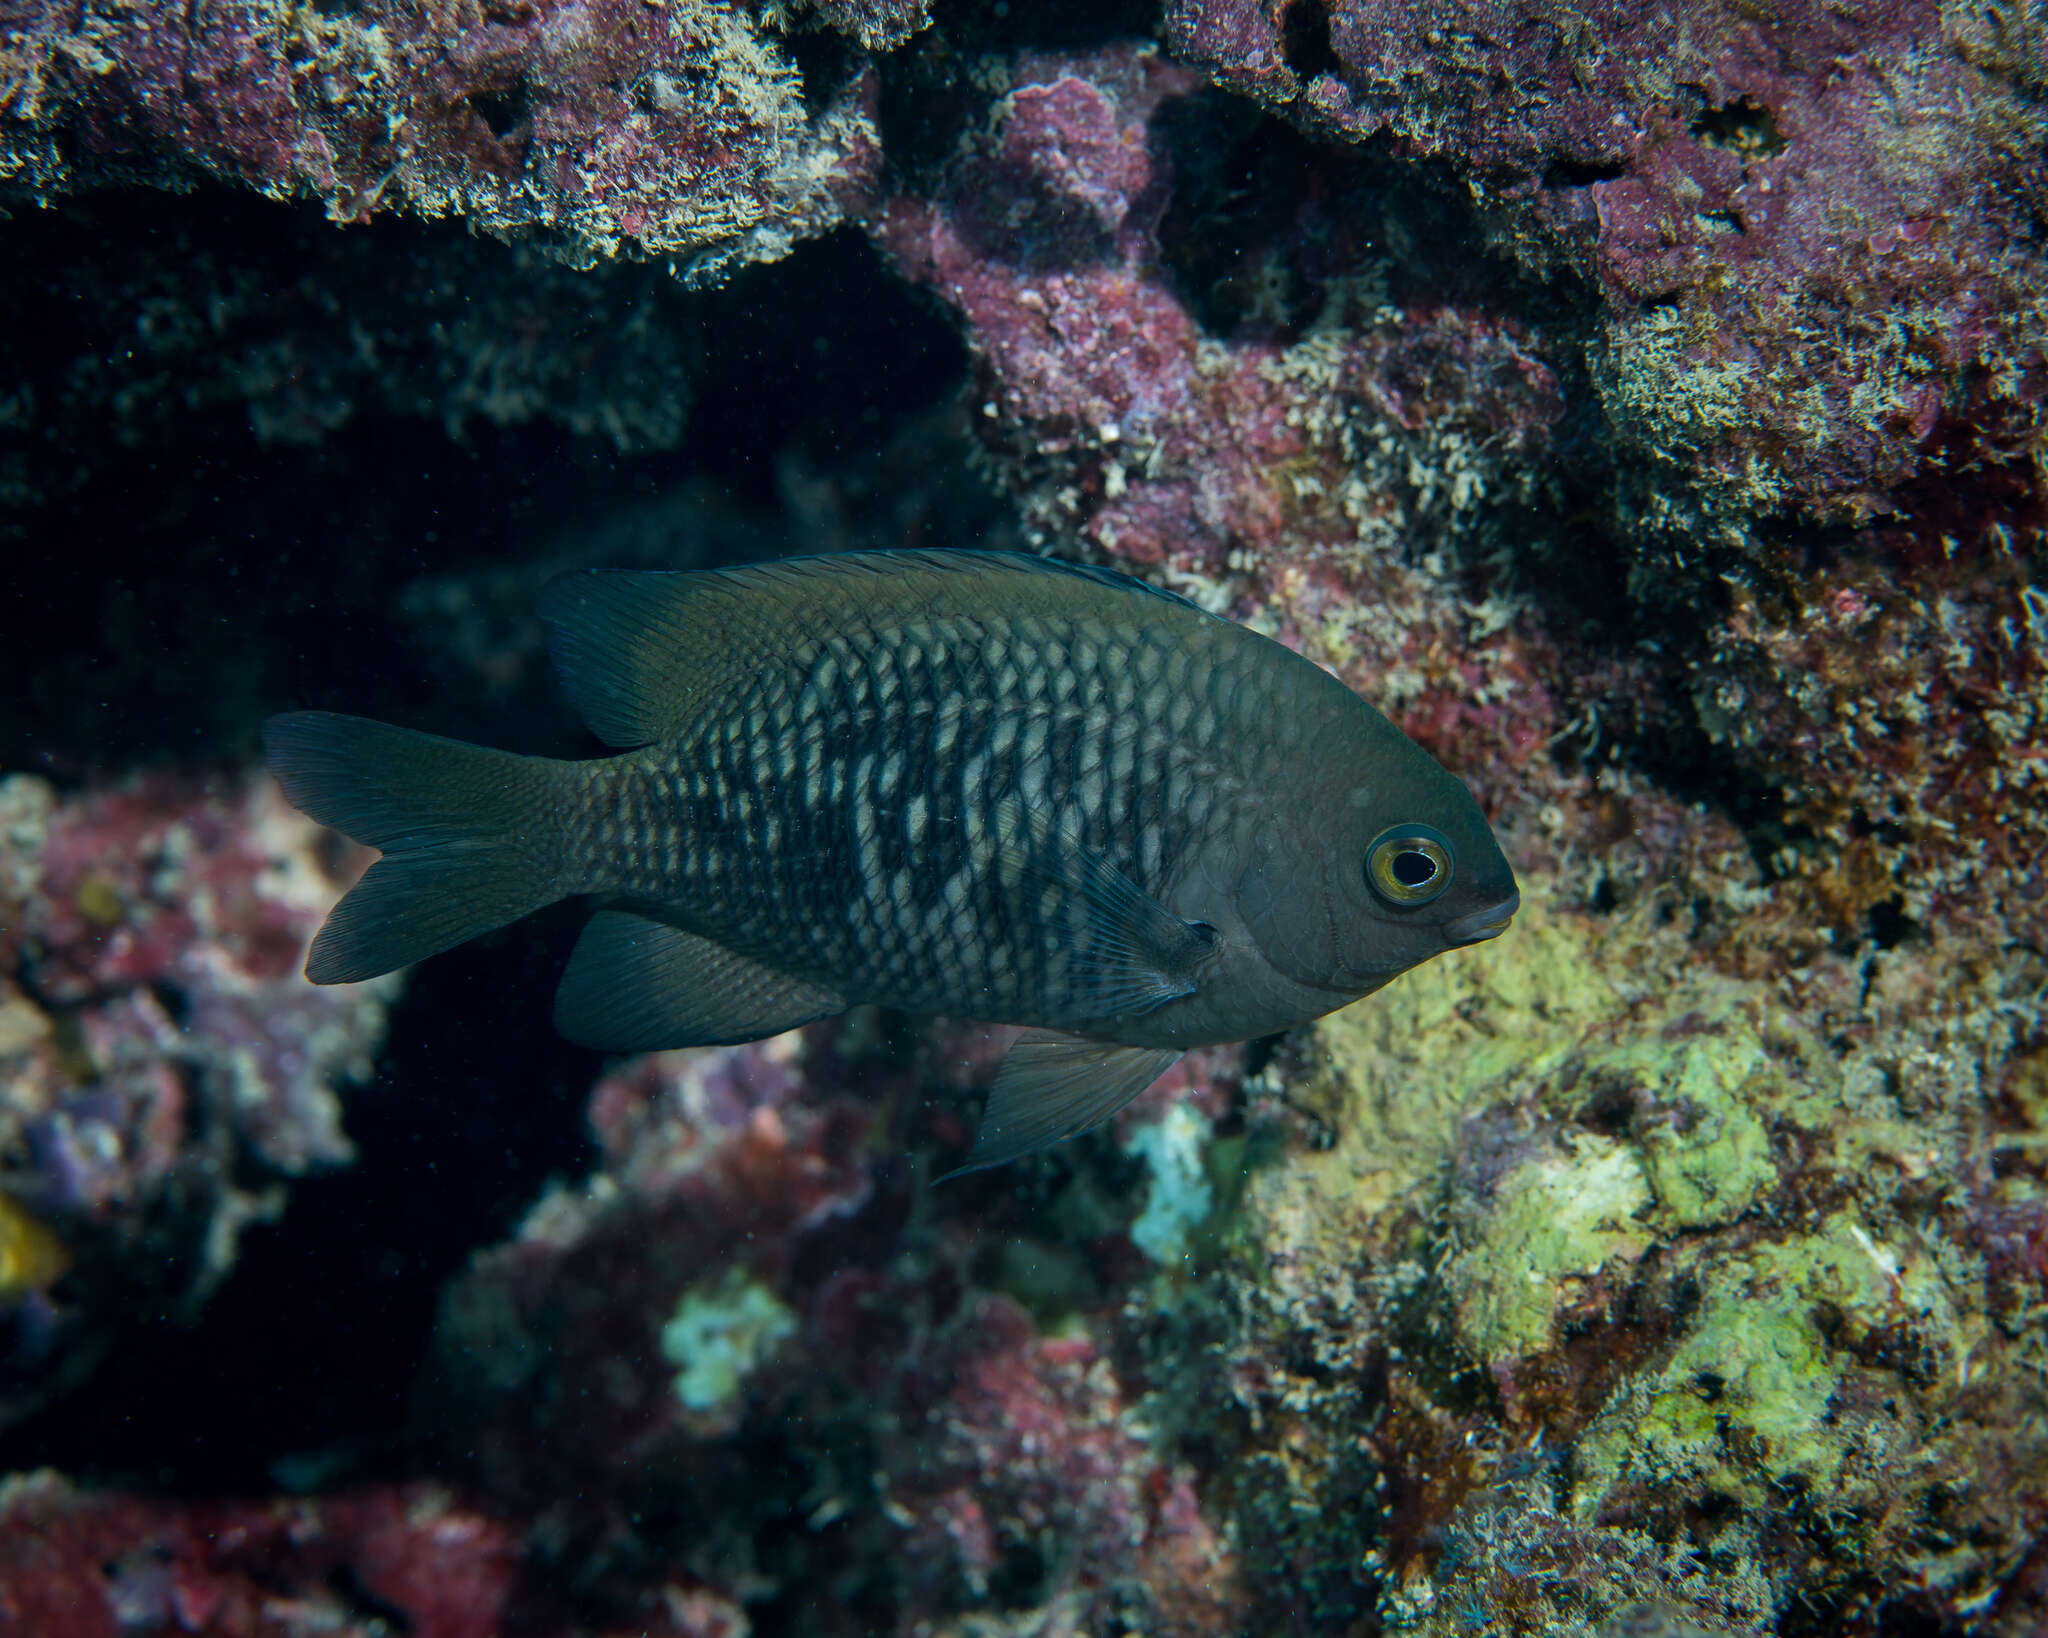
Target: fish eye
(1409, 865)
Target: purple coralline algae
(75, 1564)
(1811, 231)
(1134, 430)
(1275, 475)
(749, 1272)
(595, 127)
(164, 1068)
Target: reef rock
(1749, 191)
(594, 127)
(164, 1067)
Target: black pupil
(1414, 868)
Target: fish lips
(1482, 925)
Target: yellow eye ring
(1409, 865)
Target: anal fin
(635, 984)
(1053, 1086)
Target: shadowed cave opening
(226, 577)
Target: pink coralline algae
(595, 126)
(159, 1050)
(1033, 1443)
(76, 1564)
(1283, 478)
(669, 1361)
(1139, 433)
(1809, 227)
(1342, 433)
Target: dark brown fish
(951, 782)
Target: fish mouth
(1482, 925)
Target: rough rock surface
(1707, 1307)
(593, 127)
(1815, 233)
(751, 1319)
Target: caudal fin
(472, 838)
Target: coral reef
(1665, 1283)
(1660, 1264)
(1327, 473)
(594, 129)
(296, 332)
(79, 1565)
(1642, 410)
(439, 326)
(1815, 235)
(1121, 424)
(164, 1068)
(1348, 438)
(1893, 700)
(750, 1280)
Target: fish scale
(881, 705)
(954, 782)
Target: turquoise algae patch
(1181, 1197)
(722, 1331)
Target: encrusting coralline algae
(1643, 414)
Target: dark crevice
(1743, 127)
(364, 1604)
(1263, 224)
(825, 60)
(505, 111)
(1890, 926)
(287, 1377)
(1305, 40)
(1583, 173)
(228, 578)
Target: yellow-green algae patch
(1748, 1398)
(1581, 1203)
(1562, 1009)
(1556, 1221)
(1395, 1073)
(1709, 1157)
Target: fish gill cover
(1641, 407)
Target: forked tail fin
(472, 838)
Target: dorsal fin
(642, 652)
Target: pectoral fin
(635, 984)
(1126, 953)
(1053, 1086)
